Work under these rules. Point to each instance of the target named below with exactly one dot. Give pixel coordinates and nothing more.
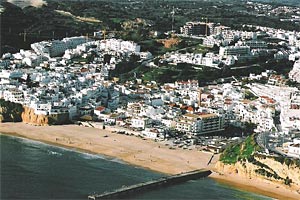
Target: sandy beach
(257, 185)
(143, 153)
(136, 151)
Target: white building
(139, 122)
(49, 49)
(245, 35)
(200, 123)
(294, 149)
(56, 47)
(189, 84)
(254, 44)
(150, 133)
(13, 95)
(119, 45)
(73, 42)
(10, 74)
(294, 74)
(99, 110)
(234, 51)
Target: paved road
(263, 140)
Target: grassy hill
(51, 21)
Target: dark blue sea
(34, 170)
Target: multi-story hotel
(197, 28)
(200, 123)
(234, 50)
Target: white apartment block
(189, 84)
(234, 50)
(139, 122)
(294, 149)
(197, 28)
(294, 56)
(200, 123)
(294, 74)
(210, 41)
(56, 47)
(49, 49)
(292, 39)
(150, 133)
(189, 123)
(119, 45)
(279, 93)
(290, 119)
(73, 42)
(287, 97)
(245, 35)
(257, 112)
(13, 95)
(211, 123)
(254, 44)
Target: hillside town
(71, 77)
(237, 46)
(136, 99)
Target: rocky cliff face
(13, 112)
(263, 167)
(283, 170)
(10, 112)
(28, 116)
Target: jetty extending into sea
(149, 185)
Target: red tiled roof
(190, 108)
(84, 70)
(100, 108)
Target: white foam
(54, 153)
(90, 156)
(24, 3)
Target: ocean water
(34, 170)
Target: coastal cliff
(10, 112)
(244, 160)
(29, 117)
(14, 112)
(264, 168)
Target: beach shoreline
(135, 151)
(130, 149)
(257, 185)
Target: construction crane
(199, 97)
(206, 25)
(173, 13)
(104, 32)
(207, 22)
(25, 34)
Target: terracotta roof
(84, 70)
(208, 115)
(100, 108)
(191, 115)
(183, 107)
(190, 108)
(246, 101)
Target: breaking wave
(24, 3)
